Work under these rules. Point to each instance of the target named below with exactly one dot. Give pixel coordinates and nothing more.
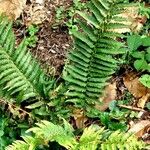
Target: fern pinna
(92, 62)
(20, 74)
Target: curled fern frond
(20, 74)
(93, 61)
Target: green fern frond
(18, 145)
(93, 60)
(90, 138)
(20, 74)
(93, 137)
(122, 141)
(46, 132)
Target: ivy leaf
(140, 64)
(145, 80)
(134, 42)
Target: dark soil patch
(52, 47)
(52, 44)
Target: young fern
(92, 62)
(93, 138)
(20, 74)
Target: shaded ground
(52, 44)
(52, 47)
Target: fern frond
(93, 61)
(93, 137)
(46, 132)
(18, 145)
(20, 74)
(90, 138)
(124, 141)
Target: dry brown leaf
(12, 8)
(80, 118)
(142, 101)
(139, 91)
(36, 13)
(109, 95)
(140, 128)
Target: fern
(93, 137)
(20, 74)
(92, 62)
(121, 141)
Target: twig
(19, 109)
(132, 108)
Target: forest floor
(52, 43)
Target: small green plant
(115, 118)
(139, 50)
(67, 15)
(92, 138)
(32, 38)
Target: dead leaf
(12, 8)
(80, 118)
(109, 95)
(36, 13)
(39, 2)
(140, 128)
(142, 101)
(134, 86)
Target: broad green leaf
(146, 41)
(138, 54)
(140, 64)
(145, 80)
(134, 42)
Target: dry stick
(3, 101)
(132, 108)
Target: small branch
(132, 108)
(18, 108)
